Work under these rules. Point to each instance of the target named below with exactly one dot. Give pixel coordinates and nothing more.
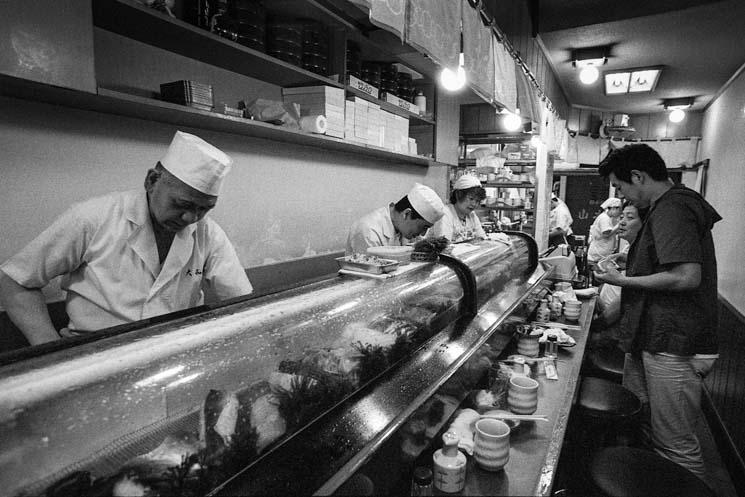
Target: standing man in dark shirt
(669, 300)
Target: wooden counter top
(535, 446)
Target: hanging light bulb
(677, 115)
(454, 80)
(589, 74)
(512, 122)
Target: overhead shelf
(124, 104)
(507, 184)
(139, 22)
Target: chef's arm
(27, 309)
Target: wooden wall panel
(725, 386)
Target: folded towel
(463, 426)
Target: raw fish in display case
(182, 406)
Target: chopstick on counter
(516, 417)
(551, 324)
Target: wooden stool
(630, 472)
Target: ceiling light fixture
(588, 60)
(677, 107)
(643, 79)
(512, 121)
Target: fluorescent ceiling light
(639, 80)
(644, 80)
(617, 83)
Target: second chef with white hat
(460, 222)
(397, 223)
(131, 255)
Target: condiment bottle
(543, 312)
(421, 482)
(450, 465)
(552, 347)
(421, 101)
(556, 307)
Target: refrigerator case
(289, 392)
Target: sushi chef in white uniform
(397, 223)
(131, 255)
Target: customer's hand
(609, 275)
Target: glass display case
(285, 393)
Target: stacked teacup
(572, 309)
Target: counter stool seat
(607, 362)
(600, 398)
(632, 472)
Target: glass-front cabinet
(288, 393)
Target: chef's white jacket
(451, 227)
(560, 217)
(105, 249)
(374, 229)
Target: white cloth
(105, 248)
(455, 230)
(374, 229)
(560, 217)
(602, 244)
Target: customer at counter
(130, 255)
(397, 223)
(669, 300)
(460, 222)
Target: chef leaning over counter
(131, 255)
(396, 224)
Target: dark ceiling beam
(556, 15)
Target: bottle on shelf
(421, 101)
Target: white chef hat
(197, 163)
(611, 202)
(466, 181)
(426, 202)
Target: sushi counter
(307, 391)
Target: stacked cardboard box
(374, 125)
(325, 100)
(396, 135)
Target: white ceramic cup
(491, 448)
(572, 304)
(522, 395)
(527, 345)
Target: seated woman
(608, 307)
(603, 232)
(460, 223)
